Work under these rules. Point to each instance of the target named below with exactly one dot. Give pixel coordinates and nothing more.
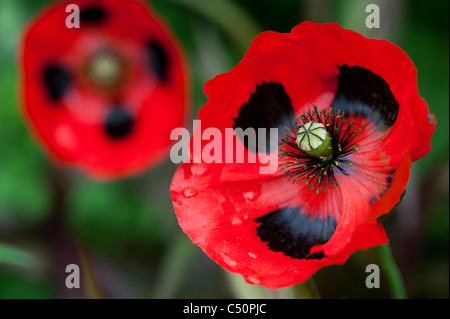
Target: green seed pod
(314, 140)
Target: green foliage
(15, 256)
(112, 217)
(14, 286)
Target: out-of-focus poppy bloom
(328, 86)
(103, 97)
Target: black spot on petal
(119, 123)
(387, 187)
(93, 15)
(293, 233)
(389, 181)
(57, 81)
(364, 93)
(269, 106)
(158, 60)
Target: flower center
(316, 147)
(314, 139)
(105, 69)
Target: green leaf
(90, 286)
(15, 256)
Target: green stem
(243, 290)
(392, 272)
(173, 267)
(91, 289)
(313, 288)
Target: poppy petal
(103, 97)
(361, 92)
(268, 107)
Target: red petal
(220, 218)
(72, 129)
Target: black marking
(392, 214)
(364, 93)
(119, 123)
(388, 185)
(93, 15)
(57, 81)
(303, 137)
(317, 128)
(293, 233)
(309, 141)
(317, 136)
(301, 140)
(269, 106)
(158, 60)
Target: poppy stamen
(317, 147)
(106, 70)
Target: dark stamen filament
(318, 171)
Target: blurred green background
(128, 227)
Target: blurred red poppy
(103, 97)
(277, 230)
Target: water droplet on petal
(236, 221)
(431, 118)
(251, 195)
(198, 170)
(252, 255)
(230, 262)
(189, 192)
(221, 199)
(253, 280)
(65, 137)
(177, 201)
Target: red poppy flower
(103, 97)
(278, 229)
